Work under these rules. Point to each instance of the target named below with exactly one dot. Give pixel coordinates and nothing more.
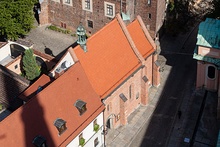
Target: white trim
(113, 9)
(84, 6)
(68, 2)
(58, 1)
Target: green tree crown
(16, 18)
(30, 67)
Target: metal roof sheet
(209, 33)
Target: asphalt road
(179, 85)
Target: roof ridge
(130, 40)
(146, 32)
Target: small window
(95, 126)
(96, 142)
(63, 25)
(109, 9)
(149, 2)
(81, 140)
(16, 66)
(107, 107)
(211, 72)
(39, 141)
(137, 95)
(87, 5)
(94, 122)
(90, 23)
(81, 106)
(67, 1)
(149, 15)
(123, 97)
(39, 89)
(145, 79)
(131, 91)
(60, 124)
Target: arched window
(211, 72)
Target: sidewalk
(123, 136)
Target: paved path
(45, 39)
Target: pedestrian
(179, 114)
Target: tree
(200, 8)
(30, 68)
(182, 13)
(16, 18)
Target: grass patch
(57, 29)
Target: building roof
(140, 39)
(56, 101)
(11, 85)
(36, 87)
(209, 33)
(111, 57)
(2, 44)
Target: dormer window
(60, 124)
(39, 141)
(81, 106)
(39, 89)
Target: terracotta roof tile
(31, 91)
(57, 100)
(109, 60)
(139, 38)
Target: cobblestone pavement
(46, 40)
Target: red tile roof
(57, 100)
(141, 41)
(2, 44)
(31, 91)
(110, 58)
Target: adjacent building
(94, 14)
(67, 112)
(207, 54)
(11, 55)
(11, 85)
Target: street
(179, 85)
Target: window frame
(67, 2)
(107, 14)
(96, 142)
(87, 5)
(62, 128)
(81, 137)
(207, 72)
(90, 23)
(39, 141)
(81, 106)
(149, 2)
(149, 16)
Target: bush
(81, 141)
(96, 127)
